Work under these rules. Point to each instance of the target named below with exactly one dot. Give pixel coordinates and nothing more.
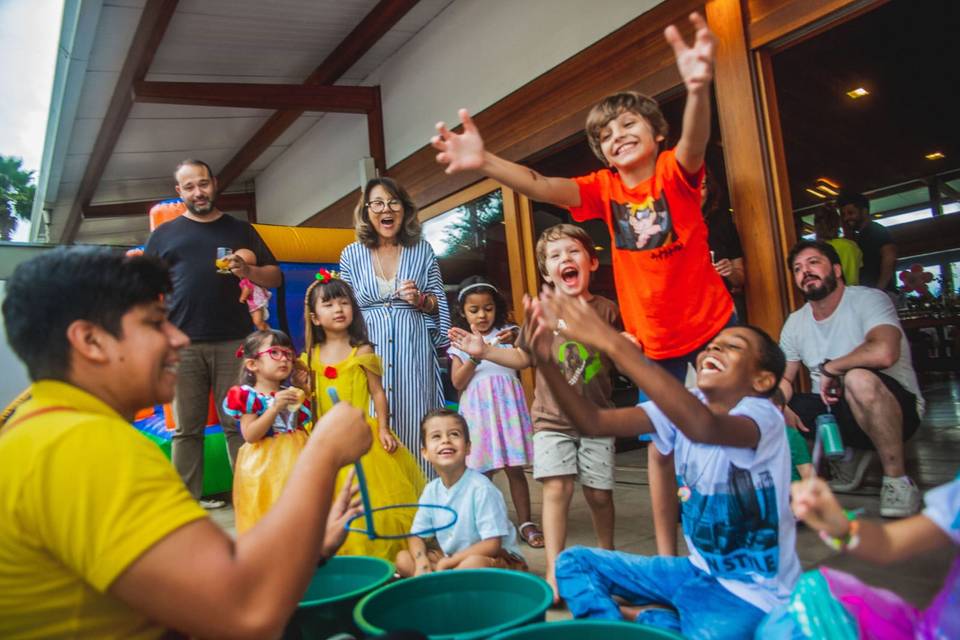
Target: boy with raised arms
(650, 200)
(732, 466)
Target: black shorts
(809, 405)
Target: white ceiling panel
(254, 38)
(73, 167)
(406, 28)
(186, 137)
(114, 35)
(156, 164)
(84, 135)
(298, 128)
(155, 188)
(97, 91)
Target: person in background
(396, 279)
(826, 224)
(879, 251)
(723, 240)
(205, 306)
(851, 342)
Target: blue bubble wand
(368, 508)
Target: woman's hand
(387, 440)
(409, 293)
(724, 267)
(470, 343)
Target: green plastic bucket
(588, 630)
(462, 604)
(327, 606)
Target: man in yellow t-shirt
(98, 534)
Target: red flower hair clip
(330, 373)
(324, 276)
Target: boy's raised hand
(573, 318)
(540, 333)
(695, 63)
(459, 152)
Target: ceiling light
(936, 155)
(828, 182)
(598, 247)
(816, 193)
(827, 190)
(859, 92)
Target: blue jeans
(702, 608)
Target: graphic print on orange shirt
(642, 226)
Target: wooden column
(743, 151)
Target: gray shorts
(561, 453)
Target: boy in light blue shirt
(483, 536)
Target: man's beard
(827, 286)
(210, 208)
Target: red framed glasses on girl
(277, 353)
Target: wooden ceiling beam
(374, 25)
(224, 202)
(327, 98)
(153, 24)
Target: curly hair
(612, 106)
(409, 234)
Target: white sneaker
(899, 498)
(847, 476)
(210, 504)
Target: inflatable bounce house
(300, 252)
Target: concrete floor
(933, 459)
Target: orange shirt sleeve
(593, 199)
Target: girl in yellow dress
(339, 355)
(273, 420)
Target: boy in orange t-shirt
(672, 300)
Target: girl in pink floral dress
(492, 399)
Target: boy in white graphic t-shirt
(732, 463)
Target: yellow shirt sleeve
(103, 496)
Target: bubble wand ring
(368, 508)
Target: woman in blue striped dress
(395, 276)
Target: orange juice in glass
(223, 259)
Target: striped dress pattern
(405, 339)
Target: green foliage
(16, 194)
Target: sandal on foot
(533, 536)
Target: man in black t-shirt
(205, 305)
(874, 240)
